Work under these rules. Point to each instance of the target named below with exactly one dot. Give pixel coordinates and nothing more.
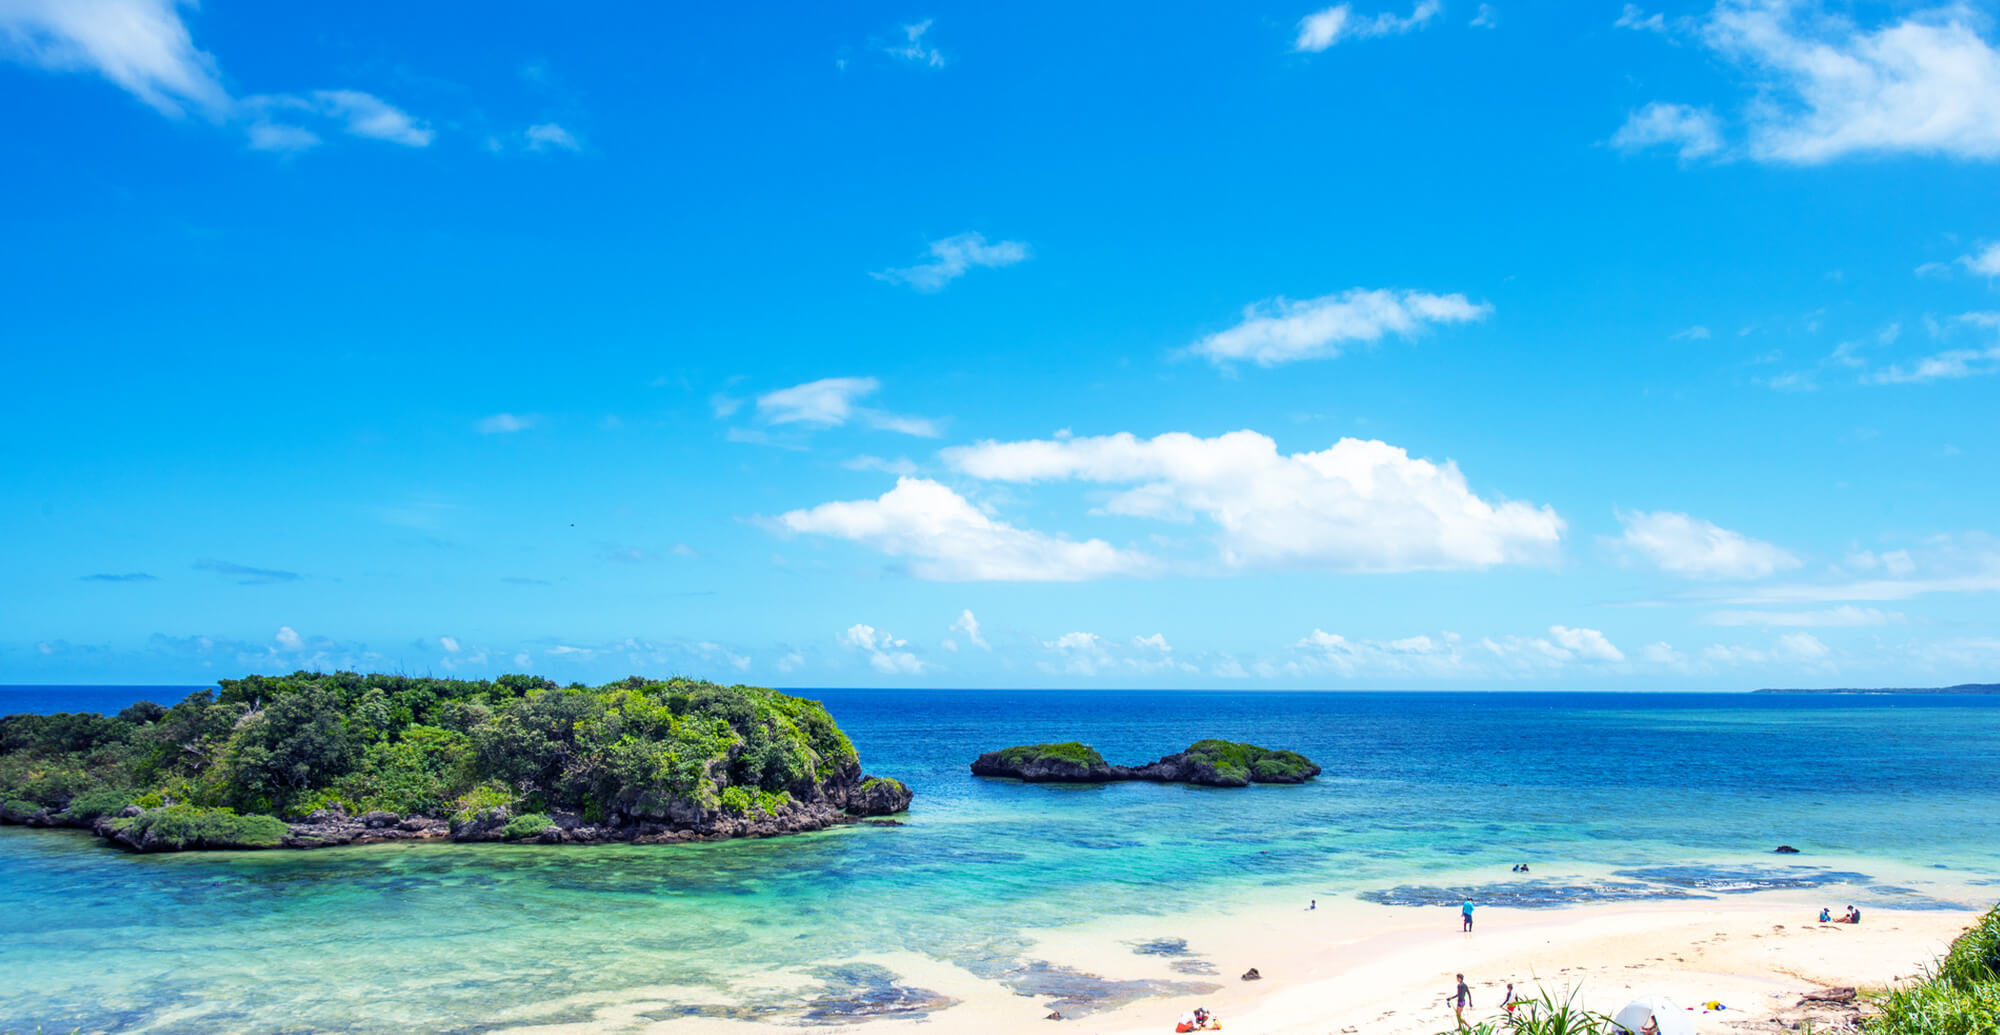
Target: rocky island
(1209, 763)
(316, 759)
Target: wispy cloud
(505, 423)
(1693, 548)
(913, 48)
(146, 48)
(246, 575)
(547, 136)
(130, 576)
(1633, 17)
(832, 401)
(1691, 132)
(1829, 618)
(886, 653)
(1282, 331)
(1324, 28)
(952, 257)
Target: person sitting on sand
(1853, 916)
(1652, 1026)
(1825, 915)
(1187, 1023)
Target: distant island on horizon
(1962, 688)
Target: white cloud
(1156, 642)
(1323, 29)
(548, 136)
(1359, 506)
(1832, 617)
(1281, 331)
(1661, 654)
(140, 45)
(950, 540)
(969, 625)
(1949, 365)
(505, 423)
(1969, 563)
(367, 115)
(885, 653)
(145, 47)
(1693, 548)
(952, 257)
(450, 644)
(830, 402)
(1632, 17)
(272, 136)
(1691, 132)
(913, 48)
(900, 466)
(1588, 644)
(1485, 18)
(1985, 262)
(791, 662)
(1695, 333)
(1926, 84)
(827, 402)
(289, 639)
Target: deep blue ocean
(1425, 797)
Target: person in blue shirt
(1465, 911)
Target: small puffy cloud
(1485, 18)
(1691, 132)
(1632, 17)
(952, 257)
(1693, 548)
(791, 662)
(969, 625)
(288, 639)
(947, 539)
(1323, 29)
(505, 423)
(449, 643)
(547, 136)
(1281, 331)
(913, 48)
(1802, 647)
(1156, 642)
(831, 402)
(885, 652)
(1985, 262)
(1359, 506)
(1588, 644)
(1695, 333)
(1661, 654)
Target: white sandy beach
(1385, 970)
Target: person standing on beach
(1465, 913)
(1461, 999)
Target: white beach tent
(1672, 1019)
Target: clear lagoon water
(1607, 795)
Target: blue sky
(1440, 345)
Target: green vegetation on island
(1211, 763)
(510, 758)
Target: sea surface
(1893, 800)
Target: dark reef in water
(1207, 763)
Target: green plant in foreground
(1545, 1014)
(1958, 996)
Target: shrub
(1545, 1014)
(190, 826)
(1960, 996)
(1067, 751)
(526, 826)
(92, 804)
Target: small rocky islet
(319, 759)
(1206, 763)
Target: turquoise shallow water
(1899, 794)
